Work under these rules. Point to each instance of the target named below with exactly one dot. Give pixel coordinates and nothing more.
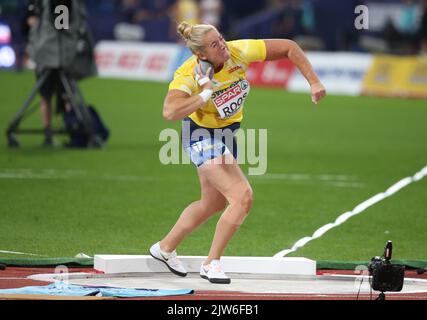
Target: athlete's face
(215, 48)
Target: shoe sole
(217, 281)
(171, 270)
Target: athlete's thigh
(210, 194)
(225, 176)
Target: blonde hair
(193, 34)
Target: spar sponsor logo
(227, 96)
(230, 101)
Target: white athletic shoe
(169, 259)
(214, 273)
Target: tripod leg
(76, 103)
(381, 296)
(15, 122)
(13, 126)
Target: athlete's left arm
(284, 48)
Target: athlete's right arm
(179, 104)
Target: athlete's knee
(246, 199)
(240, 207)
(242, 197)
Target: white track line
(332, 180)
(46, 174)
(21, 253)
(305, 177)
(358, 209)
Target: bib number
(231, 101)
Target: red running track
(16, 278)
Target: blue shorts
(204, 144)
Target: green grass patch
(121, 199)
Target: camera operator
(423, 28)
(55, 49)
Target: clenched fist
(318, 91)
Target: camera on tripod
(385, 275)
(63, 56)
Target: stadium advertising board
(142, 61)
(393, 76)
(270, 73)
(341, 73)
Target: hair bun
(185, 29)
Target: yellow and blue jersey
(230, 86)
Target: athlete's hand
(203, 79)
(318, 91)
